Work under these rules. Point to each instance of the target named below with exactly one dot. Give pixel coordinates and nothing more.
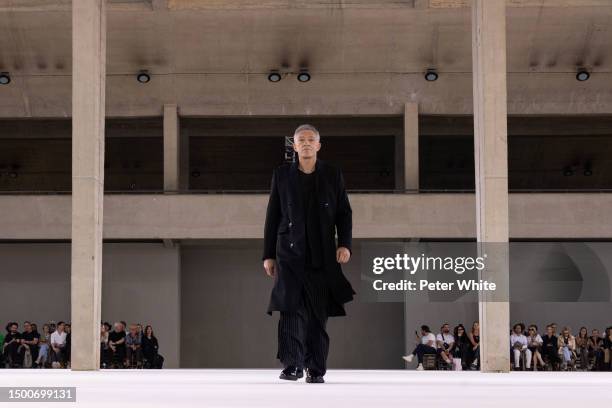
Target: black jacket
(285, 234)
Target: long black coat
(285, 234)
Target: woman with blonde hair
(567, 347)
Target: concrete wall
(225, 295)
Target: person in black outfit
(116, 343)
(29, 340)
(550, 349)
(150, 347)
(10, 347)
(461, 346)
(307, 204)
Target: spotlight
(568, 171)
(5, 79)
(274, 76)
(587, 170)
(13, 174)
(195, 173)
(431, 75)
(582, 75)
(143, 77)
(303, 76)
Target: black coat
(285, 234)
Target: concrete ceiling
(211, 56)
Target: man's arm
(344, 216)
(273, 215)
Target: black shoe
(291, 373)
(314, 377)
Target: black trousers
(302, 339)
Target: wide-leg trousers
(302, 337)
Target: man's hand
(343, 255)
(270, 267)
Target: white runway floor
(344, 388)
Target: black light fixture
(588, 171)
(568, 171)
(303, 76)
(582, 75)
(195, 173)
(143, 77)
(5, 78)
(431, 75)
(274, 76)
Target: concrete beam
(491, 165)
(172, 150)
(532, 216)
(88, 92)
(411, 146)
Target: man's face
(13, 328)
(306, 144)
(133, 330)
(61, 327)
(549, 330)
(595, 333)
(27, 327)
(517, 330)
(445, 328)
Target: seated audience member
(550, 347)
(133, 343)
(116, 343)
(445, 341)
(567, 346)
(1, 353)
(607, 349)
(596, 352)
(10, 347)
(460, 348)
(43, 341)
(518, 345)
(427, 345)
(534, 346)
(150, 348)
(474, 350)
(29, 343)
(58, 346)
(582, 349)
(68, 330)
(105, 354)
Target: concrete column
(491, 162)
(411, 146)
(172, 148)
(88, 88)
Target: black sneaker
(291, 373)
(314, 377)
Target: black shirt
(149, 347)
(314, 252)
(11, 336)
(117, 336)
(549, 341)
(30, 336)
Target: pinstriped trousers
(302, 338)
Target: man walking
(308, 205)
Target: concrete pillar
(172, 148)
(88, 88)
(411, 146)
(491, 162)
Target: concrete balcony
(216, 216)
